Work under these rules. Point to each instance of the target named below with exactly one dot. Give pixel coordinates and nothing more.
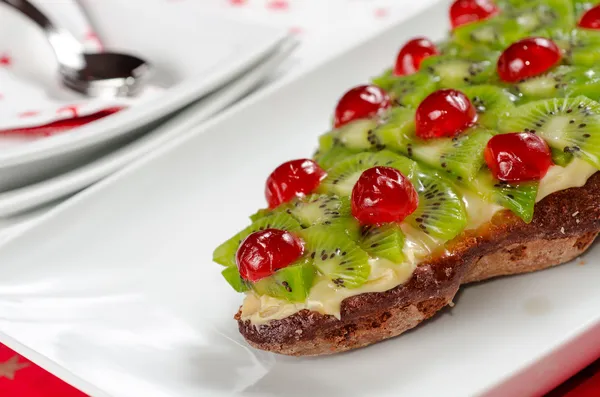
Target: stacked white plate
(199, 58)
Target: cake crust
(564, 226)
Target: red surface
(19, 377)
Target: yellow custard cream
(327, 298)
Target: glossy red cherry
(518, 157)
(444, 113)
(527, 58)
(591, 19)
(361, 102)
(467, 11)
(266, 251)
(381, 195)
(296, 178)
(412, 54)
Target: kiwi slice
(292, 283)
(356, 136)
(232, 275)
(580, 47)
(342, 177)
(494, 33)
(581, 6)
(546, 14)
(441, 212)
(452, 72)
(385, 80)
(384, 241)
(460, 157)
(568, 124)
(319, 209)
(336, 256)
(492, 103)
(519, 198)
(328, 158)
(224, 254)
(563, 81)
(412, 89)
(396, 129)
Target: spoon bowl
(107, 74)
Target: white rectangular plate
(115, 290)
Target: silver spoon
(105, 74)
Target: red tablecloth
(19, 377)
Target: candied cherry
(295, 178)
(591, 19)
(412, 54)
(361, 102)
(266, 251)
(527, 58)
(518, 157)
(383, 194)
(444, 113)
(463, 12)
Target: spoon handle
(32, 12)
(66, 47)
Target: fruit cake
(471, 158)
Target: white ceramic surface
(32, 196)
(115, 290)
(192, 53)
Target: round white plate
(193, 54)
(54, 188)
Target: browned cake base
(564, 226)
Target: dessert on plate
(471, 158)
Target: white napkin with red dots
(33, 101)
